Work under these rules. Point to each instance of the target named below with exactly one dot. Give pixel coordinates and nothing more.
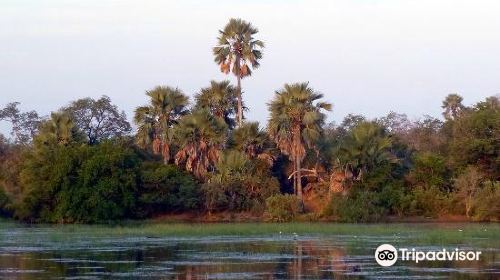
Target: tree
(426, 135)
(167, 188)
(24, 124)
(295, 123)
(200, 135)
(79, 183)
(452, 106)
(235, 183)
(366, 146)
(254, 142)
(235, 51)
(157, 120)
(467, 185)
(350, 121)
(59, 129)
(98, 119)
(218, 98)
(475, 140)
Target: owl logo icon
(386, 255)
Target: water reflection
(263, 257)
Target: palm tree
(254, 142)
(59, 129)
(157, 119)
(218, 98)
(366, 146)
(235, 51)
(200, 136)
(452, 105)
(296, 119)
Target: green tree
(235, 183)
(254, 142)
(200, 135)
(366, 146)
(295, 123)
(475, 140)
(156, 121)
(79, 183)
(452, 106)
(97, 119)
(218, 98)
(237, 51)
(166, 188)
(59, 129)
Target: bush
(429, 202)
(79, 183)
(485, 204)
(281, 208)
(360, 207)
(4, 202)
(166, 188)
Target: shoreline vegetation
(448, 234)
(202, 158)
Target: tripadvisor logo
(387, 255)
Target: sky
(366, 56)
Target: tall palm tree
(237, 51)
(200, 136)
(452, 105)
(295, 123)
(157, 119)
(59, 129)
(218, 98)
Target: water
(42, 252)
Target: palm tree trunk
(298, 174)
(294, 175)
(240, 106)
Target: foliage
(24, 124)
(452, 106)
(365, 147)
(361, 207)
(282, 208)
(219, 99)
(235, 184)
(200, 136)
(165, 188)
(156, 121)
(429, 202)
(79, 183)
(467, 185)
(4, 203)
(295, 123)
(429, 170)
(485, 204)
(97, 119)
(60, 129)
(476, 140)
(239, 52)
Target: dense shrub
(486, 206)
(79, 183)
(240, 192)
(237, 184)
(429, 202)
(166, 188)
(281, 208)
(4, 203)
(360, 207)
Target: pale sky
(367, 56)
